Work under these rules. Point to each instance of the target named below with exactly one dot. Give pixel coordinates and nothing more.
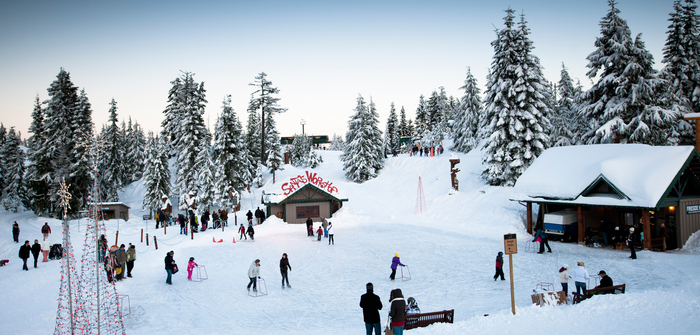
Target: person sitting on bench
(605, 280)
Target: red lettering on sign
(309, 177)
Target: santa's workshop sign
(310, 177)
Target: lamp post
(303, 122)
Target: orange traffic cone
(234, 239)
(213, 239)
(221, 240)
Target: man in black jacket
(371, 304)
(24, 252)
(605, 280)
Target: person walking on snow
(396, 311)
(251, 232)
(166, 208)
(631, 241)
(242, 231)
(120, 256)
(371, 305)
(190, 267)
(319, 232)
(324, 224)
(330, 234)
(36, 249)
(130, 258)
(309, 227)
(169, 264)
(254, 274)
(284, 264)
(580, 277)
(564, 278)
(46, 230)
(24, 252)
(499, 267)
(15, 232)
(249, 216)
(395, 262)
(543, 240)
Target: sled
(408, 274)
(199, 276)
(261, 291)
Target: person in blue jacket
(395, 262)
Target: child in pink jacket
(190, 267)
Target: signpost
(510, 242)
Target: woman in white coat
(564, 278)
(580, 277)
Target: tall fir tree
(682, 58)
(3, 138)
(205, 177)
(273, 144)
(39, 163)
(422, 121)
(252, 143)
(403, 124)
(337, 143)
(392, 135)
(516, 111)
(112, 160)
(14, 194)
(156, 177)
(264, 98)
(229, 154)
(629, 102)
(83, 133)
(185, 97)
(466, 118)
(564, 119)
(363, 156)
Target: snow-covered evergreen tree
(229, 154)
(337, 143)
(516, 111)
(403, 124)
(205, 177)
(682, 59)
(466, 118)
(363, 156)
(156, 177)
(39, 163)
(391, 136)
(629, 103)
(185, 98)
(264, 98)
(80, 171)
(3, 138)
(112, 160)
(14, 194)
(564, 119)
(134, 155)
(422, 121)
(273, 144)
(302, 154)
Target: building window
(307, 212)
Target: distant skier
(499, 267)
(395, 262)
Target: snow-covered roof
(637, 174)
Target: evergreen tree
(186, 97)
(14, 194)
(265, 99)
(392, 135)
(112, 160)
(516, 112)
(3, 138)
(466, 118)
(363, 157)
(81, 174)
(682, 59)
(564, 119)
(403, 124)
(337, 143)
(156, 177)
(274, 146)
(229, 154)
(205, 178)
(422, 123)
(629, 103)
(252, 142)
(39, 163)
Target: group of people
(259, 216)
(27, 250)
(581, 278)
(324, 230)
(417, 150)
(117, 261)
(371, 304)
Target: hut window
(307, 212)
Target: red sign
(310, 177)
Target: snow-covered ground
(450, 250)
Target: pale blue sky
(320, 54)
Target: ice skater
(395, 262)
(319, 233)
(190, 267)
(284, 265)
(254, 274)
(242, 231)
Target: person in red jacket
(319, 232)
(499, 267)
(46, 230)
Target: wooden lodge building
(627, 185)
(308, 201)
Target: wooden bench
(617, 289)
(427, 319)
(657, 243)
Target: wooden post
(165, 229)
(647, 229)
(116, 239)
(141, 235)
(581, 228)
(512, 289)
(529, 217)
